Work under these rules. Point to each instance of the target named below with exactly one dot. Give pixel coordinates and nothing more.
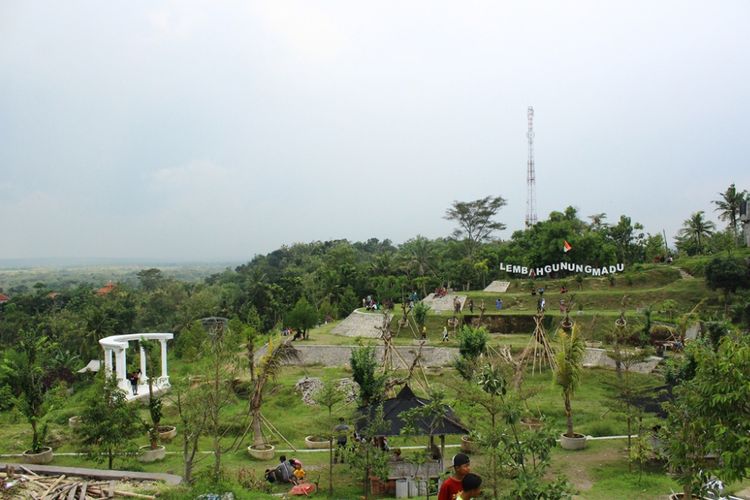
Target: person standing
(452, 486)
(342, 431)
(445, 334)
(134, 378)
(424, 332)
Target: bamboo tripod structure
(538, 349)
(407, 319)
(391, 354)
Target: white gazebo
(116, 347)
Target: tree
(728, 207)
(364, 372)
(421, 311)
(472, 343)
(303, 316)
(366, 457)
(150, 278)
(329, 396)
(154, 402)
(694, 233)
(727, 274)
(524, 456)
(711, 415)
(568, 371)
(474, 219)
(419, 256)
(193, 412)
(222, 365)
(108, 422)
(29, 369)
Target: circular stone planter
(167, 432)
(74, 422)
(532, 424)
(468, 445)
(315, 443)
(43, 457)
(578, 442)
(264, 452)
(148, 455)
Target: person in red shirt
(452, 486)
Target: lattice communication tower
(530, 175)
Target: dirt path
(685, 275)
(576, 467)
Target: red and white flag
(566, 246)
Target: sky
(215, 131)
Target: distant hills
(69, 262)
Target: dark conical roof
(406, 400)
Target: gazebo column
(442, 451)
(164, 373)
(121, 367)
(108, 362)
(142, 356)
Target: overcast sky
(217, 130)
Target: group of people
(462, 484)
(288, 471)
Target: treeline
(307, 282)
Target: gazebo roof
(407, 400)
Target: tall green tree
(728, 206)
(475, 220)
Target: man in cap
(452, 485)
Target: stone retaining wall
(435, 356)
(334, 355)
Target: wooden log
(134, 495)
(84, 487)
(72, 492)
(53, 485)
(28, 471)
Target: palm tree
(419, 255)
(728, 206)
(696, 230)
(569, 368)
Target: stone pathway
(360, 324)
(498, 286)
(444, 303)
(685, 275)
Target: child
(299, 472)
(471, 486)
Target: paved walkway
(103, 474)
